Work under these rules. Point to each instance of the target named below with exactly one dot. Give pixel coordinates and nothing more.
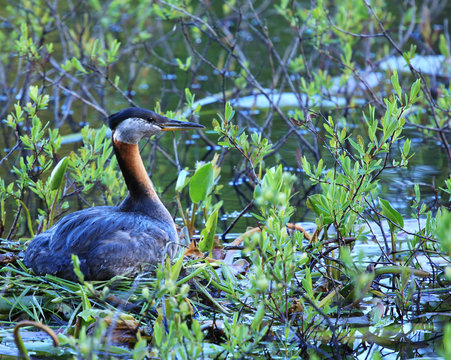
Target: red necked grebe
(111, 240)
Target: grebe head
(132, 124)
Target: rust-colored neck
(132, 167)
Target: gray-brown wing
(107, 241)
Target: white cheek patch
(130, 131)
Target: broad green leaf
(414, 90)
(306, 166)
(89, 314)
(328, 129)
(229, 112)
(346, 164)
(319, 168)
(391, 214)
(57, 176)
(406, 147)
(201, 183)
(208, 234)
(356, 146)
(181, 180)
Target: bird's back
(107, 240)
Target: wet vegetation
(311, 222)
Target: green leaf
(176, 268)
(443, 229)
(140, 349)
(201, 183)
(444, 47)
(306, 166)
(346, 163)
(414, 90)
(208, 234)
(81, 278)
(230, 279)
(357, 146)
(77, 65)
(417, 193)
(89, 314)
(307, 284)
(258, 317)
(319, 168)
(116, 80)
(318, 203)
(391, 214)
(189, 98)
(406, 147)
(395, 82)
(328, 129)
(181, 180)
(95, 48)
(229, 112)
(410, 54)
(96, 5)
(157, 333)
(34, 93)
(57, 176)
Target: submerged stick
(381, 270)
(23, 353)
(298, 227)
